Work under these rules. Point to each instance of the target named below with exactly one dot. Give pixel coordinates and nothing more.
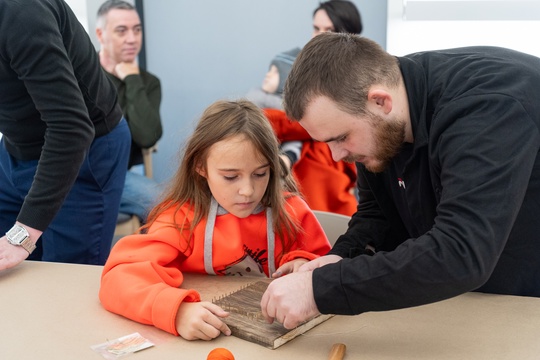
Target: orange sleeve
(311, 241)
(284, 128)
(141, 278)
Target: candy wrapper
(123, 346)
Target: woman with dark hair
(337, 16)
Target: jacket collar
(415, 81)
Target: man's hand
(124, 69)
(320, 261)
(201, 320)
(289, 300)
(10, 255)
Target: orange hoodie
(142, 277)
(326, 185)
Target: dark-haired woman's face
(322, 23)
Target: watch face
(17, 235)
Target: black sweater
(54, 98)
(457, 210)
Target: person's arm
(290, 152)
(481, 191)
(141, 279)
(143, 99)
(310, 243)
(37, 54)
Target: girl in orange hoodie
(232, 208)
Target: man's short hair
(110, 5)
(341, 67)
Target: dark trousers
(82, 230)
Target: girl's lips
(245, 204)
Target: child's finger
(283, 270)
(215, 309)
(214, 323)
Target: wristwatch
(19, 236)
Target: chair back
(333, 224)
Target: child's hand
(201, 320)
(289, 267)
(320, 261)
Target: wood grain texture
(247, 322)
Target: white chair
(333, 224)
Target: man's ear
(379, 100)
(99, 32)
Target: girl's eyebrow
(232, 169)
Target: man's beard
(389, 137)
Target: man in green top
(119, 32)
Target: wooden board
(247, 322)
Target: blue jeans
(82, 230)
(140, 195)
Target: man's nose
(131, 37)
(338, 153)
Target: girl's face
(237, 175)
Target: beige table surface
(51, 311)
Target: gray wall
(213, 49)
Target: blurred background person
(326, 185)
(119, 32)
